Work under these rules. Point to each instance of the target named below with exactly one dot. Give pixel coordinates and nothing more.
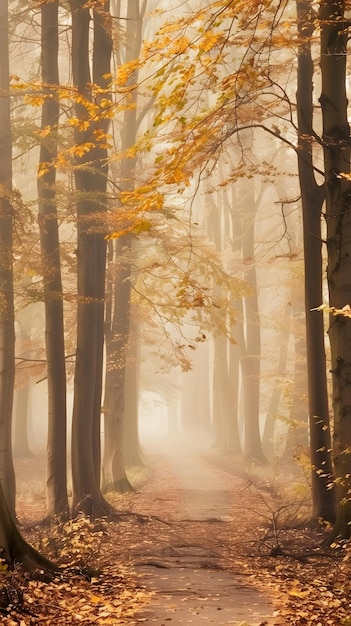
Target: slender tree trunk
(14, 548)
(312, 197)
(90, 177)
(238, 349)
(114, 477)
(101, 63)
(190, 408)
(195, 416)
(250, 362)
(298, 438)
(221, 410)
(22, 409)
(7, 328)
(273, 406)
(203, 390)
(116, 332)
(131, 443)
(336, 146)
(20, 430)
(118, 327)
(57, 499)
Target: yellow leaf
(138, 228)
(43, 169)
(208, 41)
(44, 132)
(35, 101)
(106, 103)
(81, 124)
(95, 599)
(83, 148)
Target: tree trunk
(298, 438)
(221, 409)
(116, 331)
(131, 443)
(336, 147)
(190, 409)
(238, 349)
(56, 483)
(203, 390)
(273, 406)
(118, 326)
(90, 177)
(224, 403)
(13, 547)
(247, 332)
(250, 362)
(312, 197)
(7, 328)
(20, 430)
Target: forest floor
(201, 541)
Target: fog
(217, 322)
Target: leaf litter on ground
(100, 584)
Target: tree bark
(251, 361)
(312, 197)
(20, 430)
(7, 327)
(56, 482)
(117, 327)
(336, 148)
(225, 373)
(91, 180)
(221, 407)
(131, 444)
(116, 332)
(273, 406)
(13, 547)
(238, 349)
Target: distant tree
(116, 332)
(237, 348)
(250, 360)
(245, 357)
(23, 384)
(20, 430)
(275, 398)
(131, 442)
(248, 96)
(117, 323)
(221, 410)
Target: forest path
(193, 563)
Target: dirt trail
(184, 565)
